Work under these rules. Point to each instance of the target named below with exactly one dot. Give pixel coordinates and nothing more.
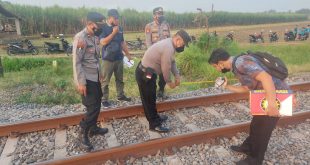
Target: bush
(18, 64)
(193, 62)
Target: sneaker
(106, 104)
(124, 98)
(161, 95)
(160, 129)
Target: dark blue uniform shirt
(118, 38)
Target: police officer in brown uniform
(155, 31)
(159, 59)
(86, 72)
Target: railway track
(121, 112)
(130, 136)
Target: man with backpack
(255, 71)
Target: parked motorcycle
(303, 37)
(55, 47)
(289, 36)
(229, 36)
(45, 35)
(254, 38)
(135, 45)
(22, 47)
(273, 37)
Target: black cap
(113, 13)
(158, 10)
(95, 17)
(185, 36)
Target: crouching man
(253, 75)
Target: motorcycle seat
(51, 44)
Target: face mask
(161, 19)
(225, 70)
(179, 49)
(97, 32)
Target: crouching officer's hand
(171, 85)
(81, 89)
(177, 80)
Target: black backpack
(275, 65)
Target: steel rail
(151, 147)
(14, 129)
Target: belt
(143, 69)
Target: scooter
(273, 37)
(54, 47)
(229, 36)
(254, 38)
(22, 47)
(289, 36)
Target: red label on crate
(259, 104)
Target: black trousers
(260, 131)
(161, 83)
(92, 102)
(147, 89)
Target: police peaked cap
(158, 9)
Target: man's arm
(270, 90)
(79, 74)
(233, 88)
(176, 73)
(237, 89)
(166, 63)
(124, 46)
(126, 51)
(106, 40)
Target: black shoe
(163, 118)
(161, 95)
(124, 98)
(240, 149)
(85, 140)
(248, 161)
(160, 129)
(106, 104)
(98, 131)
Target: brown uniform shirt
(161, 58)
(155, 32)
(86, 59)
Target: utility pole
(207, 25)
(1, 68)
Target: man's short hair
(217, 55)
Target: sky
(178, 6)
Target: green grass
(58, 83)
(297, 57)
(58, 88)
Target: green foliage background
(66, 20)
